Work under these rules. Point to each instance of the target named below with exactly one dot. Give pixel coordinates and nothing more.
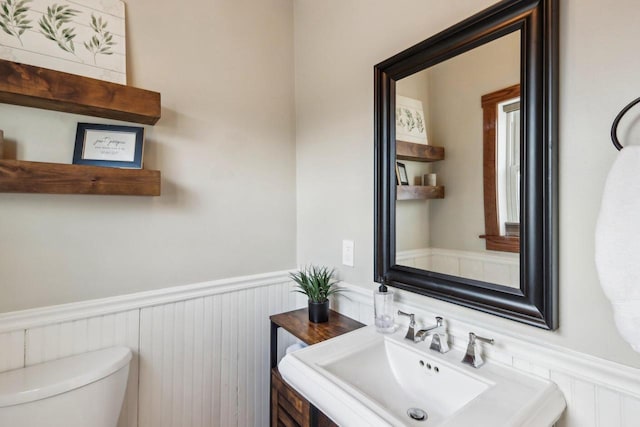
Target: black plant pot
(319, 311)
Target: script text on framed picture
(109, 145)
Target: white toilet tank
(78, 391)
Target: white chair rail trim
(31, 318)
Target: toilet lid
(59, 376)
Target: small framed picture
(108, 145)
(401, 174)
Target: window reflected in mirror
(441, 213)
(501, 157)
(509, 167)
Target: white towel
(294, 347)
(618, 243)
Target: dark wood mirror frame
(536, 301)
(494, 241)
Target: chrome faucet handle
(472, 356)
(439, 342)
(412, 324)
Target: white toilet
(78, 391)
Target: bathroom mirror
(438, 236)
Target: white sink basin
(366, 378)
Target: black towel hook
(614, 127)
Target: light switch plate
(347, 252)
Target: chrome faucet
(412, 324)
(473, 356)
(439, 341)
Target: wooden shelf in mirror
(419, 192)
(37, 87)
(418, 152)
(54, 178)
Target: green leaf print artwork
(102, 41)
(52, 26)
(13, 18)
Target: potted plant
(317, 284)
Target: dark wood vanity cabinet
(288, 407)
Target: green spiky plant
(316, 283)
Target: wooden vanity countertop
(297, 323)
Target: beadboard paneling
(630, 412)
(11, 350)
(204, 352)
(201, 352)
(492, 267)
(205, 362)
(80, 336)
(598, 393)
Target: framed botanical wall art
(107, 145)
(83, 37)
(410, 123)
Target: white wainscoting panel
(201, 352)
(204, 351)
(493, 267)
(59, 340)
(599, 393)
(205, 362)
(11, 350)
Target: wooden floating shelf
(37, 87)
(418, 152)
(419, 192)
(54, 178)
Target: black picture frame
(535, 302)
(109, 146)
(401, 171)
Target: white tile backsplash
(472, 269)
(493, 267)
(497, 273)
(445, 264)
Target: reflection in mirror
(501, 158)
(437, 230)
(431, 246)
